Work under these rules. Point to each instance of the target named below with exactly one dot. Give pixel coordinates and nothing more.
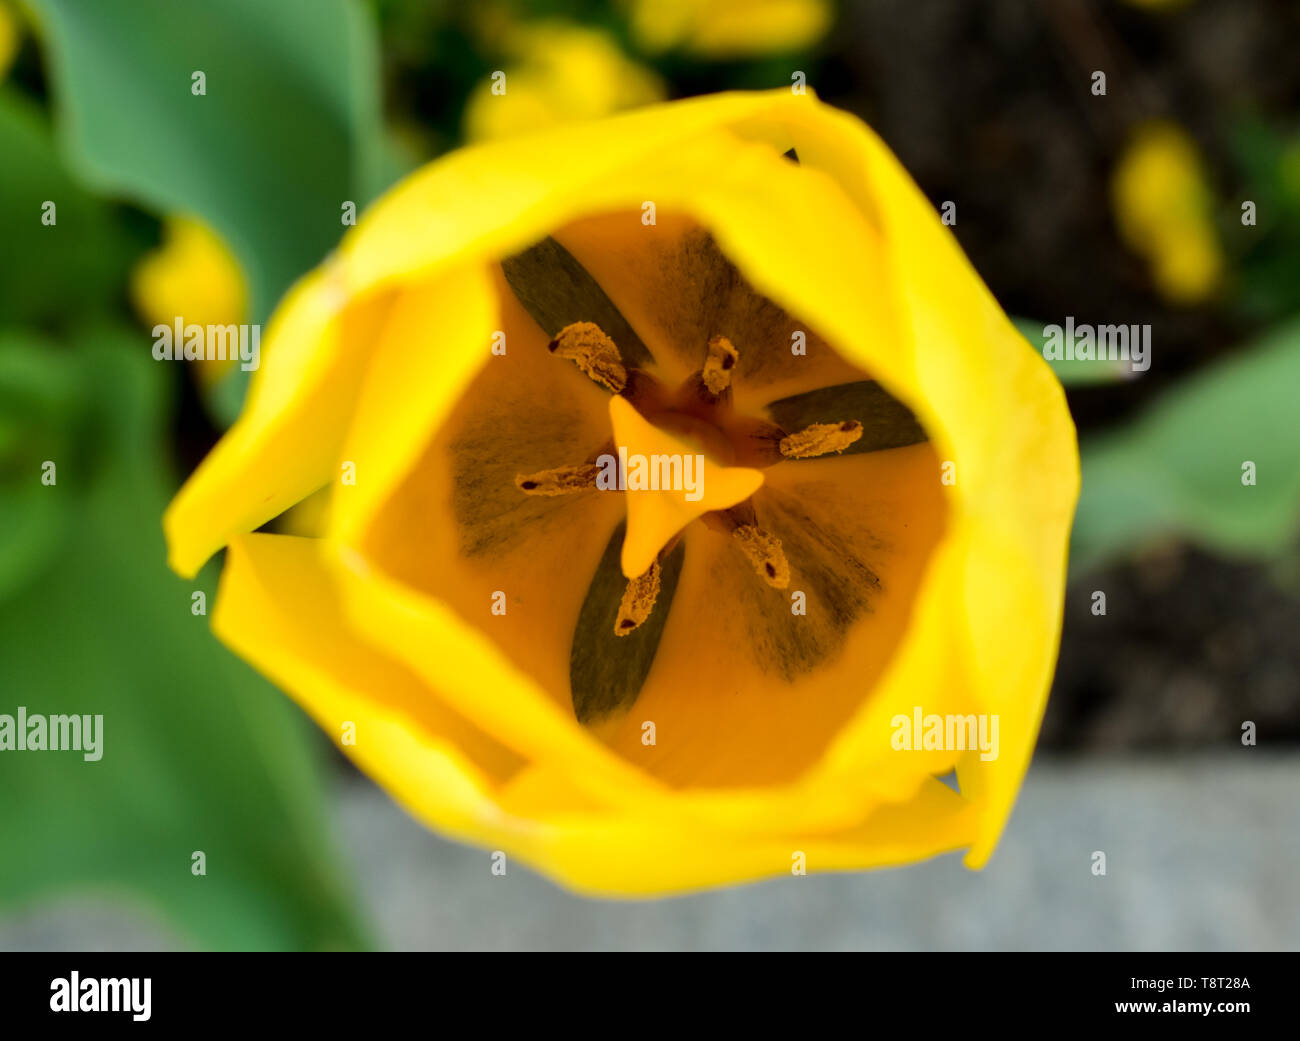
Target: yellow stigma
(655, 516)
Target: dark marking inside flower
(488, 453)
(826, 562)
(608, 670)
(706, 295)
(557, 291)
(886, 421)
(790, 154)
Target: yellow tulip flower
(640, 689)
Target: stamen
(721, 360)
(764, 551)
(560, 480)
(638, 600)
(593, 352)
(821, 438)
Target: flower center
(667, 484)
(679, 456)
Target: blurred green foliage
(40, 400)
(199, 754)
(1178, 468)
(287, 131)
(1268, 265)
(36, 266)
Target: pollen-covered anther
(587, 346)
(764, 551)
(638, 600)
(560, 480)
(820, 439)
(719, 364)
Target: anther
(593, 352)
(638, 600)
(820, 439)
(560, 480)
(718, 365)
(764, 551)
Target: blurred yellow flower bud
(1164, 210)
(561, 73)
(9, 38)
(194, 276)
(729, 28)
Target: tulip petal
(411, 381)
(992, 405)
(286, 443)
(988, 401)
(627, 855)
(279, 607)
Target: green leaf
(80, 257)
(287, 131)
(1074, 373)
(198, 754)
(1178, 469)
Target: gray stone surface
(1203, 852)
